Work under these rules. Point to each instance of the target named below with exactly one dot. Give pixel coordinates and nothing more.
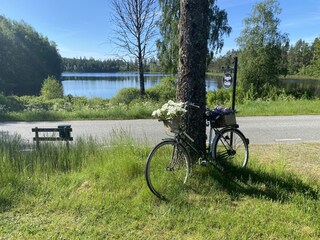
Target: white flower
(156, 113)
(169, 111)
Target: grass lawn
(279, 108)
(99, 192)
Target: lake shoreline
(107, 85)
(96, 75)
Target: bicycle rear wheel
(230, 147)
(167, 169)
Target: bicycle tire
(235, 154)
(167, 169)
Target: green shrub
(219, 97)
(299, 93)
(33, 104)
(164, 91)
(9, 103)
(126, 95)
(51, 88)
(38, 104)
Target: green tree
(261, 45)
(218, 63)
(299, 56)
(51, 88)
(168, 45)
(313, 69)
(26, 58)
(93, 65)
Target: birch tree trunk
(135, 23)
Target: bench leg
(37, 138)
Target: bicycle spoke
(230, 147)
(167, 169)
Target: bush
(164, 91)
(38, 104)
(219, 97)
(126, 95)
(9, 104)
(51, 89)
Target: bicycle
(169, 163)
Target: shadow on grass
(5, 204)
(259, 183)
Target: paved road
(260, 130)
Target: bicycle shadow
(258, 183)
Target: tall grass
(97, 191)
(143, 110)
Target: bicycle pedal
(204, 163)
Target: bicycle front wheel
(230, 147)
(167, 169)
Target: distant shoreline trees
(302, 59)
(92, 65)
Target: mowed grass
(279, 108)
(98, 191)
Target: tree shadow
(5, 204)
(258, 183)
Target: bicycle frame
(181, 137)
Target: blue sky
(83, 28)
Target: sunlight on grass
(98, 191)
(278, 108)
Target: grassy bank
(98, 192)
(144, 110)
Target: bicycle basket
(172, 125)
(224, 120)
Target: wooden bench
(63, 130)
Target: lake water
(106, 85)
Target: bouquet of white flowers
(169, 111)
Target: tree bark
(141, 72)
(141, 79)
(193, 35)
